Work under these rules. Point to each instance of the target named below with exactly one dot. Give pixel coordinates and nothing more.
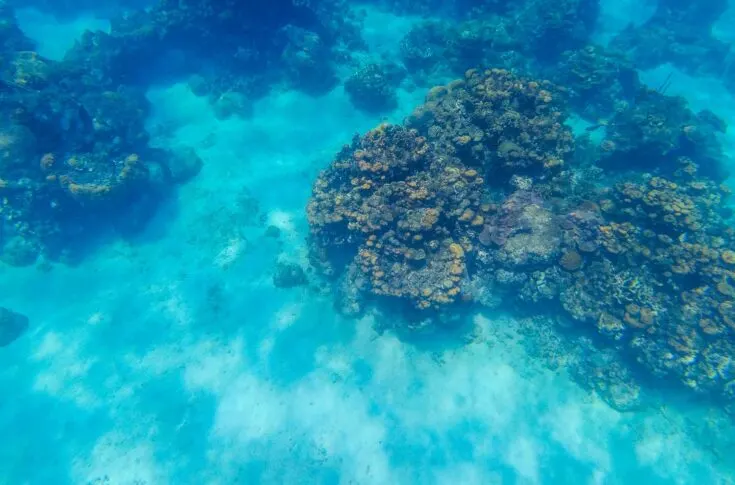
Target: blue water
(171, 358)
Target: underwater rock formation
(289, 275)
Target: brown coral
(571, 260)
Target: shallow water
(172, 358)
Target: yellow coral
(471, 173)
(93, 190)
(456, 269)
(463, 140)
(467, 215)
(456, 251)
(47, 161)
(728, 256)
(431, 217)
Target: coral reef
(547, 28)
(232, 47)
(661, 281)
(603, 372)
(497, 123)
(480, 196)
(526, 36)
(392, 205)
(434, 49)
(405, 206)
(73, 157)
(599, 81)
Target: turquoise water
(171, 358)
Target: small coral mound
(394, 207)
(373, 89)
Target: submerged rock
(289, 275)
(184, 165)
(272, 232)
(12, 326)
